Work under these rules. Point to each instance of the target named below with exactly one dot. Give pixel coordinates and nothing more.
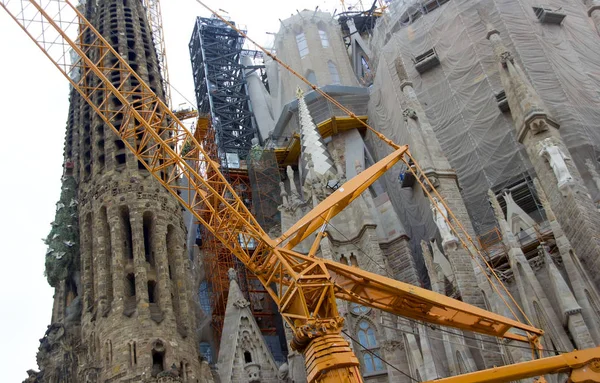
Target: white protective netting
(561, 61)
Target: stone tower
(123, 307)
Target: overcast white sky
(33, 110)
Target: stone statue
(337, 161)
(440, 217)
(256, 150)
(283, 193)
(592, 169)
(555, 156)
(283, 375)
(232, 274)
(290, 176)
(314, 185)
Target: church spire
(244, 354)
(312, 143)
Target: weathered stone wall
(282, 83)
(136, 313)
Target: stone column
(558, 176)
(162, 269)
(530, 290)
(87, 264)
(139, 264)
(181, 272)
(575, 277)
(468, 276)
(570, 311)
(102, 261)
(593, 11)
(117, 233)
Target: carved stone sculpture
(555, 156)
(440, 217)
(283, 375)
(592, 169)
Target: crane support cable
(428, 187)
(303, 79)
(583, 365)
(473, 250)
(301, 285)
(304, 287)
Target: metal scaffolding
(221, 90)
(221, 93)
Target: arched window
(302, 44)
(323, 36)
(344, 260)
(311, 77)
(368, 340)
(333, 72)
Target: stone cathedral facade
(546, 260)
(125, 305)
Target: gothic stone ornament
(556, 157)
(505, 57)
(409, 113)
(440, 217)
(538, 126)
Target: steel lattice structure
(304, 287)
(154, 15)
(215, 49)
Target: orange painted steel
(154, 16)
(304, 287)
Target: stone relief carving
(538, 126)
(556, 157)
(440, 217)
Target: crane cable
(440, 328)
(395, 146)
(379, 357)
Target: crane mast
(304, 287)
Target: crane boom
(303, 286)
(154, 16)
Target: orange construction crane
(304, 287)
(154, 16)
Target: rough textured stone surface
(127, 313)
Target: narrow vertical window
(148, 229)
(333, 72)
(366, 336)
(324, 39)
(127, 233)
(152, 292)
(302, 44)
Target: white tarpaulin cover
(561, 61)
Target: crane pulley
(304, 287)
